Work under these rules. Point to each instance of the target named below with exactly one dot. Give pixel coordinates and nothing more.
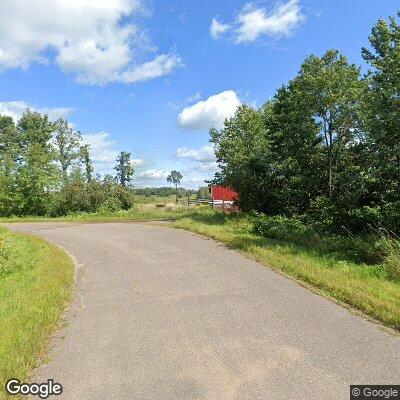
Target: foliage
(124, 169)
(326, 146)
(46, 170)
(163, 191)
(364, 249)
(175, 178)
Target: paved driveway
(160, 313)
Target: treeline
(326, 147)
(46, 169)
(163, 191)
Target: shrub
(358, 249)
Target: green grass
(35, 287)
(368, 288)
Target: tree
(9, 200)
(382, 113)
(294, 176)
(124, 169)
(86, 161)
(331, 89)
(175, 178)
(66, 141)
(242, 151)
(36, 169)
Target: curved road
(160, 313)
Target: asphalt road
(160, 313)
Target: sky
(151, 77)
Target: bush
(364, 249)
(79, 196)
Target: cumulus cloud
(161, 65)
(204, 154)
(15, 109)
(210, 112)
(217, 28)
(94, 40)
(203, 157)
(102, 148)
(253, 22)
(153, 174)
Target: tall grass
(35, 286)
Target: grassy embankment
(35, 287)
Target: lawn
(35, 287)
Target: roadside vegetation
(363, 273)
(35, 287)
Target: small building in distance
(224, 197)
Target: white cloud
(102, 148)
(254, 22)
(104, 153)
(137, 162)
(217, 28)
(209, 167)
(161, 65)
(203, 157)
(210, 112)
(94, 40)
(205, 154)
(193, 182)
(153, 174)
(15, 109)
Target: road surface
(160, 313)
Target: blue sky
(150, 77)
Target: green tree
(295, 164)
(9, 200)
(331, 89)
(124, 169)
(36, 169)
(84, 152)
(382, 113)
(175, 178)
(67, 142)
(242, 151)
(203, 192)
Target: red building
(224, 197)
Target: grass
(368, 288)
(35, 287)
